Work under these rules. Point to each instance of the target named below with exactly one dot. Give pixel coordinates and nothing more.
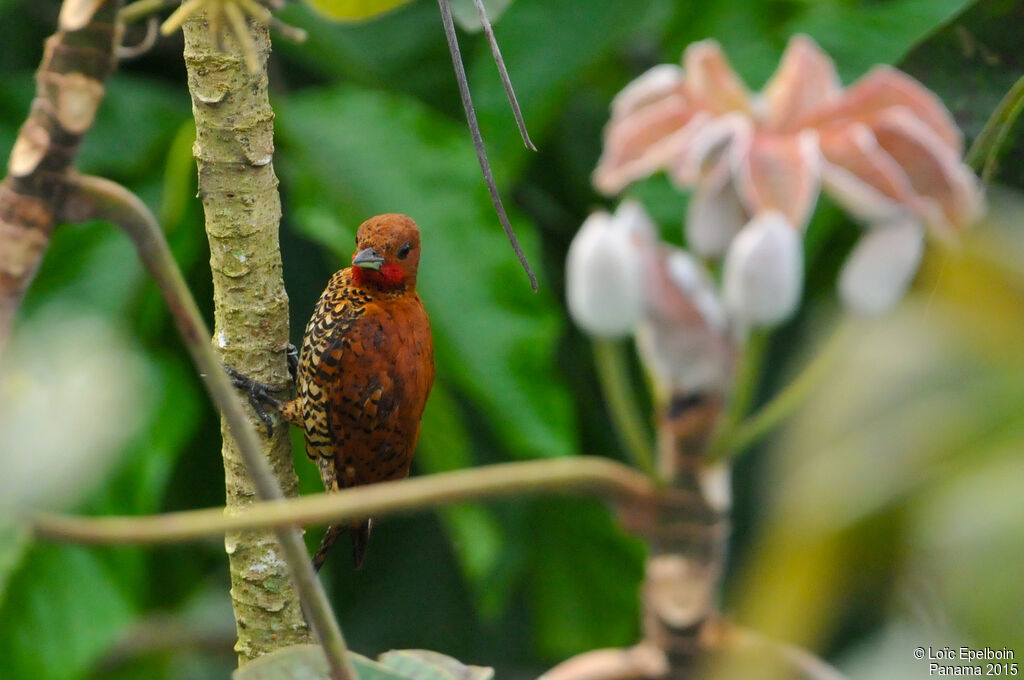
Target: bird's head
(387, 252)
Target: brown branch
(727, 642)
(582, 475)
(69, 87)
(687, 547)
(125, 52)
(639, 662)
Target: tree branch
(688, 544)
(234, 149)
(69, 87)
(94, 197)
(639, 662)
(647, 662)
(582, 475)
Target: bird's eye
(404, 250)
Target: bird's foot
(260, 396)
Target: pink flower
(885, 148)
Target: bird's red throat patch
(389, 276)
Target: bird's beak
(367, 258)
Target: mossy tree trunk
(234, 151)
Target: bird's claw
(292, 355)
(259, 395)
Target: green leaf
(179, 183)
(444, 441)
(354, 154)
(468, 18)
(354, 10)
(307, 662)
(423, 664)
(857, 35)
(150, 110)
(548, 49)
(586, 572)
(63, 611)
(973, 526)
(968, 64)
(323, 225)
(919, 482)
(403, 51)
(299, 662)
(93, 268)
(14, 541)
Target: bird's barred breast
(374, 376)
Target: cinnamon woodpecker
(364, 371)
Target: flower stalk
(613, 372)
(736, 437)
(984, 153)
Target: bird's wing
(357, 381)
(335, 312)
(336, 309)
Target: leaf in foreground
(307, 662)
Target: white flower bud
(881, 266)
(633, 218)
(715, 215)
(604, 271)
(763, 273)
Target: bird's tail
(360, 539)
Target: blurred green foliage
(368, 121)
(896, 493)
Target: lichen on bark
(234, 152)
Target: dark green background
(369, 121)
